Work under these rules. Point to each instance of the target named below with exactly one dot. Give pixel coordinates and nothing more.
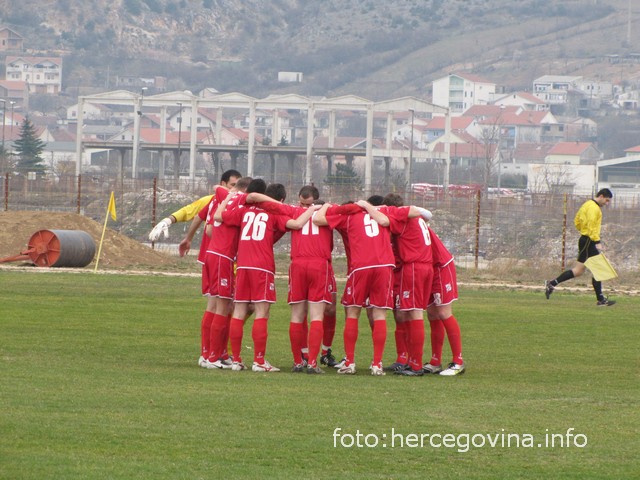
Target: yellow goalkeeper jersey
(187, 212)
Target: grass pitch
(99, 380)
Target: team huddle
(395, 261)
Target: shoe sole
(460, 372)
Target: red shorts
(369, 287)
(220, 276)
(397, 277)
(255, 286)
(311, 279)
(415, 286)
(444, 289)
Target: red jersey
(441, 256)
(369, 243)
(224, 237)
(205, 214)
(413, 240)
(258, 233)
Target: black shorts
(586, 248)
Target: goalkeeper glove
(162, 227)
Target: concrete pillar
(310, 120)
(219, 126)
(387, 170)
(272, 157)
(194, 138)
(252, 138)
(137, 117)
(329, 165)
(368, 166)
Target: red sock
(236, 329)
(259, 334)
(350, 339)
(217, 339)
(296, 332)
(226, 343)
(379, 335)
(205, 334)
(402, 347)
(437, 339)
(328, 331)
(315, 340)
(416, 343)
(305, 333)
(454, 337)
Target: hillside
(371, 48)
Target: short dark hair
(276, 191)
(257, 185)
(605, 192)
(243, 183)
(375, 200)
(393, 200)
(226, 176)
(309, 191)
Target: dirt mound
(118, 251)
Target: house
(458, 92)
(43, 75)
(554, 89)
(436, 127)
(579, 129)
(131, 82)
(524, 100)
(10, 40)
(573, 153)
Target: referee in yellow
(587, 220)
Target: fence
(519, 232)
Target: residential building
(43, 75)
(459, 92)
(524, 100)
(573, 153)
(554, 89)
(10, 41)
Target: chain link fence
(514, 236)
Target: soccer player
(186, 213)
(588, 220)
(444, 291)
(219, 276)
(189, 212)
(414, 279)
(255, 274)
(370, 279)
(311, 280)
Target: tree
(29, 149)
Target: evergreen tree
(29, 149)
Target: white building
(42, 74)
(460, 91)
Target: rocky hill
(372, 48)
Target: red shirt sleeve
(221, 194)
(398, 218)
(233, 216)
(348, 209)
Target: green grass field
(98, 379)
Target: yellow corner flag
(600, 268)
(112, 207)
(111, 210)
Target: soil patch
(118, 251)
